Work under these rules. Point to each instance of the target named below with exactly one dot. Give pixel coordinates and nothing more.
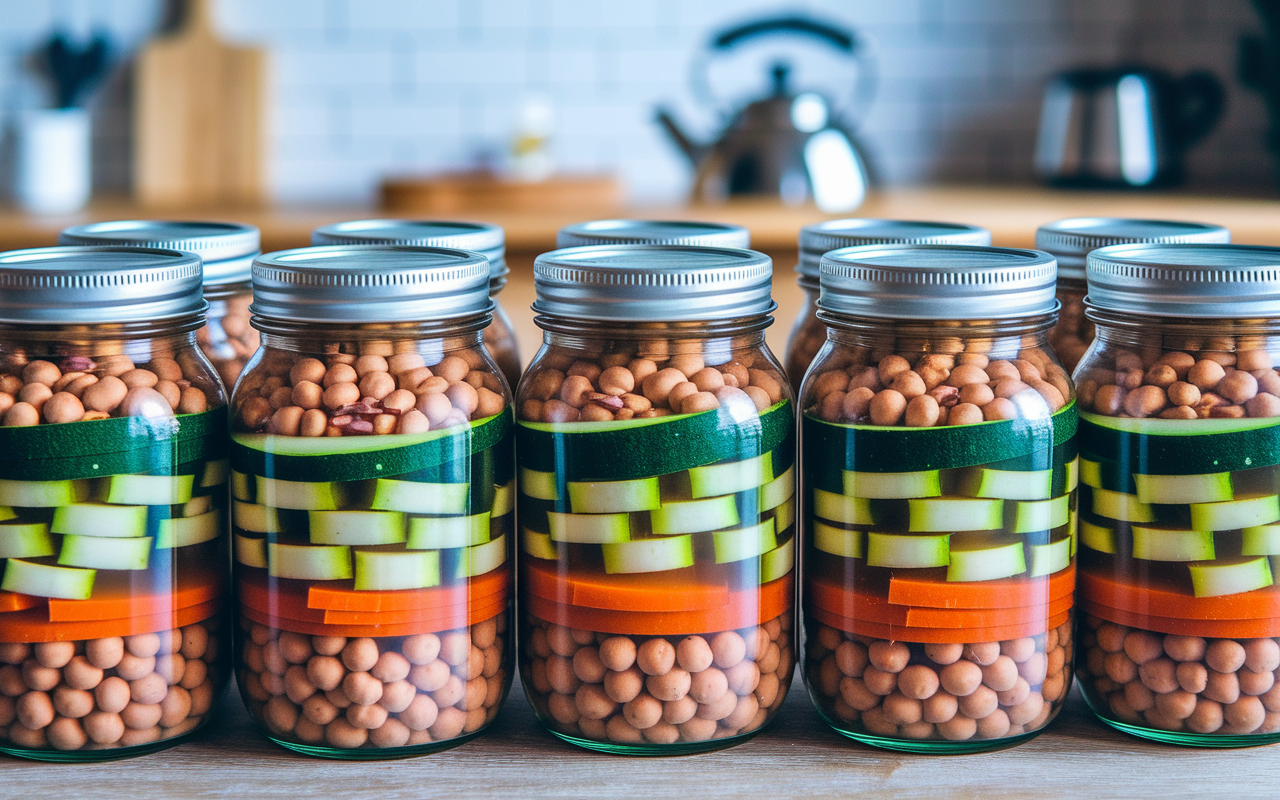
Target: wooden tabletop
(797, 756)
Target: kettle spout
(695, 152)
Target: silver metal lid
(818, 240)
(653, 231)
(1070, 240)
(1186, 280)
(92, 285)
(653, 283)
(479, 237)
(370, 283)
(912, 281)
(227, 248)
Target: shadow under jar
(1180, 480)
(113, 497)
(373, 498)
(808, 333)
(656, 452)
(939, 482)
(226, 250)
(1071, 240)
(479, 237)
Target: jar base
(650, 750)
(374, 754)
(935, 747)
(94, 756)
(1185, 739)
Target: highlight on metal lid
(653, 283)
(480, 237)
(1070, 240)
(105, 284)
(653, 231)
(911, 281)
(370, 283)
(1186, 280)
(226, 248)
(817, 240)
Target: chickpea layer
(105, 694)
(950, 692)
(80, 388)
(1071, 336)
(345, 394)
(658, 690)
(228, 340)
(807, 338)
(404, 691)
(1224, 380)
(1191, 684)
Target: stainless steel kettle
(793, 146)
(1123, 127)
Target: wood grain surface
(797, 756)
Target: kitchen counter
(797, 756)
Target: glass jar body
(657, 530)
(374, 495)
(807, 337)
(228, 340)
(938, 550)
(1073, 333)
(1181, 634)
(500, 338)
(112, 639)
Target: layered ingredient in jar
(373, 518)
(1180, 535)
(228, 340)
(658, 533)
(112, 524)
(939, 581)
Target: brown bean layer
(228, 340)
(1071, 336)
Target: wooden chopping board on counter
(482, 192)
(199, 118)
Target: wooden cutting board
(199, 117)
(481, 192)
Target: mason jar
(656, 450)
(113, 544)
(808, 333)
(1180, 516)
(480, 237)
(226, 249)
(652, 231)
(373, 498)
(939, 481)
(1071, 240)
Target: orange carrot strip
(13, 601)
(424, 614)
(1004, 593)
(331, 598)
(32, 625)
(675, 590)
(936, 635)
(985, 617)
(120, 600)
(474, 614)
(1211, 628)
(1154, 601)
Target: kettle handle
(1198, 101)
(836, 37)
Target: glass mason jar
(113, 498)
(1071, 240)
(373, 497)
(1180, 467)
(808, 333)
(226, 248)
(656, 449)
(480, 237)
(939, 475)
(653, 231)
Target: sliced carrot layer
(676, 590)
(423, 615)
(279, 598)
(1004, 593)
(745, 608)
(33, 625)
(848, 601)
(937, 635)
(453, 621)
(13, 601)
(1153, 601)
(472, 590)
(1211, 628)
(986, 617)
(120, 600)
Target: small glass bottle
(939, 477)
(807, 333)
(1180, 480)
(1071, 240)
(653, 231)
(656, 449)
(480, 237)
(226, 249)
(113, 496)
(373, 486)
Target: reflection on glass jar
(113, 501)
(939, 481)
(656, 501)
(1180, 477)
